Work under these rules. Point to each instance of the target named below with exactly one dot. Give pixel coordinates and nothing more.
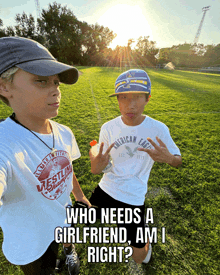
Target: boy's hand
(85, 201)
(160, 153)
(99, 162)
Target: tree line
(79, 43)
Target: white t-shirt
(36, 188)
(127, 180)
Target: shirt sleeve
(167, 139)
(3, 177)
(75, 153)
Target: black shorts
(101, 199)
(45, 265)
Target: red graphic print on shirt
(52, 174)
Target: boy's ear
(147, 100)
(2, 86)
(3, 89)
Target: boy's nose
(56, 91)
(131, 103)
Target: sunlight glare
(127, 21)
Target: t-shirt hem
(76, 157)
(15, 262)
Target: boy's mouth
(131, 115)
(56, 104)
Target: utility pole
(205, 9)
(38, 8)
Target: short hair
(147, 96)
(8, 76)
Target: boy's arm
(78, 193)
(162, 154)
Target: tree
(9, 31)
(2, 31)
(212, 55)
(129, 53)
(199, 49)
(62, 33)
(68, 39)
(164, 55)
(183, 55)
(96, 38)
(25, 26)
(113, 57)
(145, 51)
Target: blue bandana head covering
(133, 81)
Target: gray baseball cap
(33, 58)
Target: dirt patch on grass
(155, 191)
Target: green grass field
(189, 104)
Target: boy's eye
(57, 82)
(42, 83)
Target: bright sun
(127, 22)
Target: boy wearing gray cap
(134, 141)
(36, 154)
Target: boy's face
(131, 107)
(36, 97)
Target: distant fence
(210, 69)
(127, 67)
(205, 70)
(187, 69)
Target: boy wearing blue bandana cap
(134, 141)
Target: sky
(167, 22)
